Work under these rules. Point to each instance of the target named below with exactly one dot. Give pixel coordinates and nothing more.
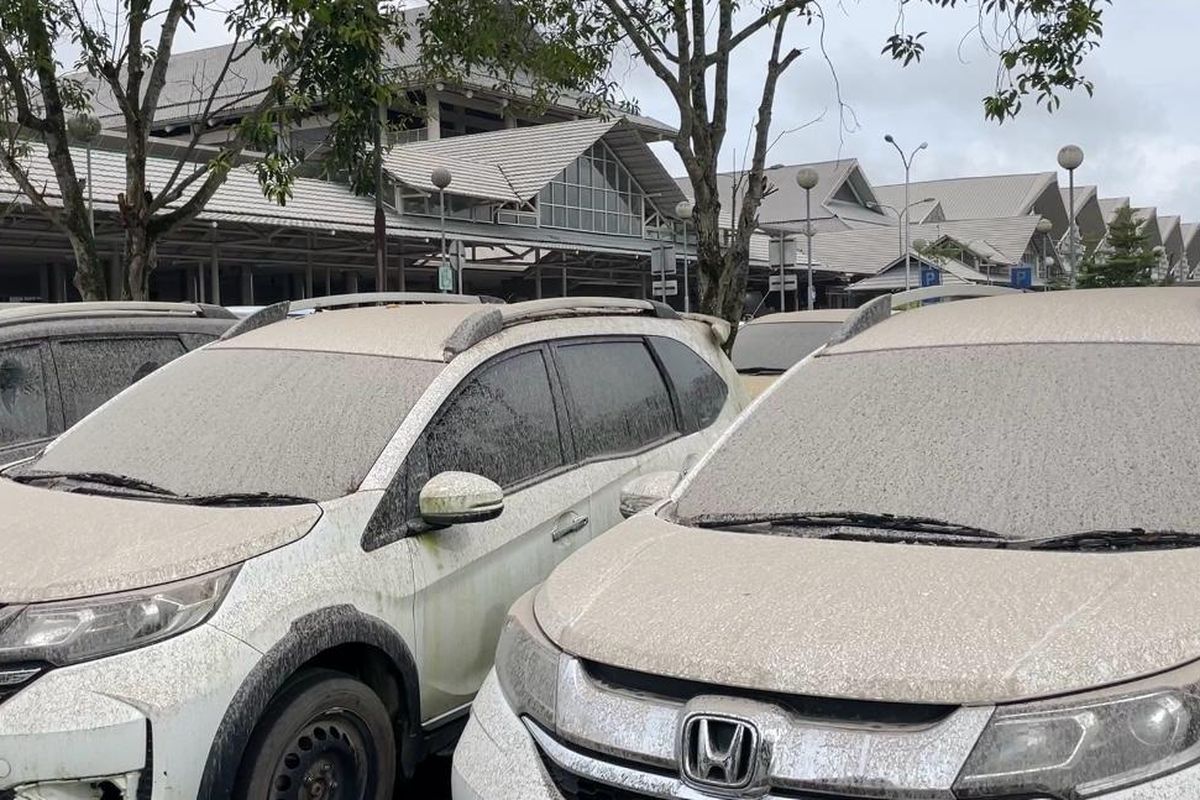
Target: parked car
(953, 555)
(278, 567)
(768, 346)
(60, 361)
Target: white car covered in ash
(278, 567)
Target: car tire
(324, 736)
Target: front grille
(867, 713)
(573, 787)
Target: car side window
(617, 397)
(699, 390)
(501, 423)
(91, 371)
(24, 414)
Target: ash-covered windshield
(1028, 441)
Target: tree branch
(28, 189)
(785, 7)
(16, 81)
(162, 59)
(634, 31)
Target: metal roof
(1148, 216)
(894, 277)
(988, 196)
(1110, 205)
(1143, 315)
(785, 204)
(1190, 231)
(1172, 237)
(514, 164)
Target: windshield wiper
(246, 499)
(99, 478)
(926, 528)
(1119, 539)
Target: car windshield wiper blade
(100, 478)
(761, 371)
(1117, 539)
(850, 519)
(246, 499)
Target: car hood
(58, 545)
(870, 621)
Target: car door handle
(567, 524)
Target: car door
(92, 370)
(30, 413)
(621, 410)
(505, 421)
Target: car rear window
(244, 420)
(778, 346)
(1024, 440)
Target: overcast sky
(1140, 132)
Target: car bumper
(138, 719)
(498, 759)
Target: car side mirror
(647, 490)
(457, 498)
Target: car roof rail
(491, 321)
(379, 299)
(277, 312)
(868, 314)
(950, 292)
(42, 312)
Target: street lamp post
(899, 216)
(1070, 158)
(441, 177)
(86, 127)
(807, 179)
(1044, 227)
(907, 161)
(684, 211)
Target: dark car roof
(20, 323)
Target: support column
(328, 281)
(352, 282)
(58, 290)
(214, 270)
(537, 281)
(564, 279)
(200, 289)
(44, 283)
(433, 114)
(116, 282)
(247, 286)
(403, 277)
(308, 266)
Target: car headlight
(527, 664)
(68, 632)
(1084, 748)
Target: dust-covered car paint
(311, 580)
(902, 612)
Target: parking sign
(931, 277)
(1021, 277)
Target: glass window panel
(624, 225)
(573, 196)
(587, 221)
(610, 201)
(560, 217)
(23, 414)
(585, 171)
(573, 172)
(611, 222)
(93, 370)
(573, 218)
(558, 193)
(585, 198)
(501, 425)
(619, 400)
(610, 173)
(623, 204)
(547, 215)
(701, 391)
(637, 205)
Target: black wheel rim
(328, 758)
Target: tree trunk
(90, 278)
(141, 256)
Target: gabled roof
(1001, 241)
(988, 196)
(513, 165)
(1089, 216)
(1149, 216)
(1190, 231)
(1083, 194)
(841, 198)
(1110, 205)
(1172, 237)
(897, 275)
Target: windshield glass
(778, 346)
(1028, 441)
(230, 420)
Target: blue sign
(931, 277)
(1021, 277)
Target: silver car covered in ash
(953, 555)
